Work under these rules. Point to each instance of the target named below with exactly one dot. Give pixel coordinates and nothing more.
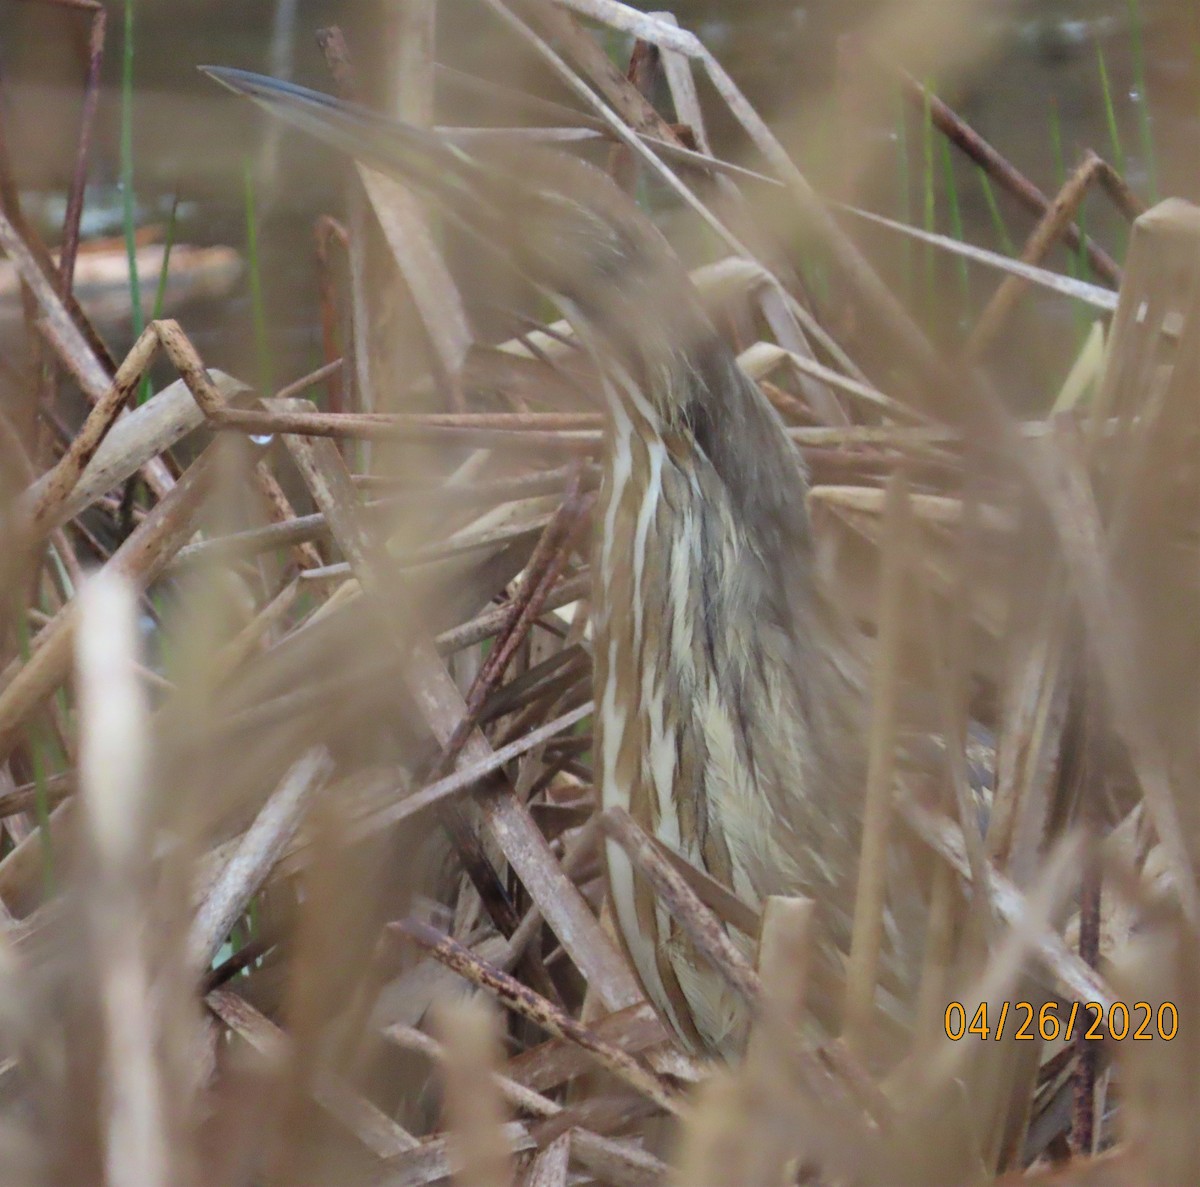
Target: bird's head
(561, 221)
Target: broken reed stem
(517, 997)
(1083, 1114)
(700, 924)
(56, 487)
(1118, 189)
(87, 119)
(328, 231)
(997, 167)
(485, 625)
(385, 427)
(529, 433)
(1052, 226)
(944, 838)
(542, 573)
(143, 556)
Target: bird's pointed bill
(400, 150)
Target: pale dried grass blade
(370, 1124)
(555, 1061)
(1159, 968)
(549, 1166)
(141, 434)
(516, 1094)
(1032, 739)
(944, 837)
(261, 846)
(763, 357)
(862, 971)
(943, 510)
(1040, 908)
(83, 363)
(114, 773)
(1094, 295)
(1085, 375)
(1071, 502)
(473, 1109)
(721, 1141)
(429, 281)
(618, 126)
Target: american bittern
(728, 686)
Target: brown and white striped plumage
(728, 692)
(729, 696)
(730, 705)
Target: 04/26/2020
(1052, 1019)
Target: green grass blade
(1060, 169)
(41, 793)
(1110, 113)
(1145, 134)
(1077, 262)
(998, 223)
(929, 189)
(956, 221)
(904, 185)
(128, 202)
(160, 294)
(262, 346)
